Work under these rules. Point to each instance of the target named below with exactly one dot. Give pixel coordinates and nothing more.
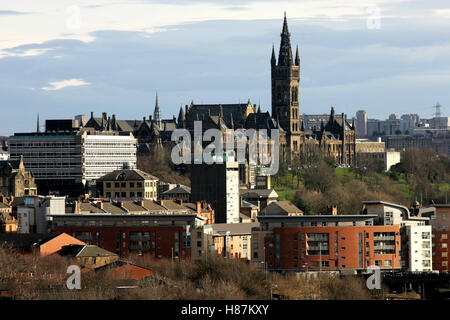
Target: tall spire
(181, 117)
(157, 113)
(297, 57)
(285, 56)
(273, 60)
(38, 129)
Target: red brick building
(161, 235)
(440, 223)
(333, 248)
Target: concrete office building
(65, 158)
(218, 184)
(361, 124)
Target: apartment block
(419, 247)
(386, 235)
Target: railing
(139, 247)
(137, 237)
(384, 247)
(387, 238)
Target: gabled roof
(4, 206)
(82, 251)
(25, 240)
(14, 164)
(281, 208)
(178, 189)
(258, 193)
(233, 228)
(127, 175)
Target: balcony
(384, 238)
(139, 247)
(384, 247)
(140, 237)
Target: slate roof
(258, 193)
(235, 111)
(127, 175)
(25, 240)
(234, 228)
(13, 163)
(178, 189)
(280, 208)
(81, 251)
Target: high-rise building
(64, 162)
(361, 124)
(218, 184)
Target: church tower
(285, 89)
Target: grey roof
(280, 208)
(77, 250)
(178, 189)
(233, 228)
(246, 204)
(258, 193)
(25, 240)
(13, 163)
(127, 175)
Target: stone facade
(15, 180)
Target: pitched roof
(13, 163)
(127, 175)
(25, 240)
(178, 189)
(233, 228)
(4, 206)
(258, 193)
(81, 251)
(280, 208)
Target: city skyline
(116, 62)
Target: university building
(334, 135)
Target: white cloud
(58, 85)
(25, 53)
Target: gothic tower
(285, 89)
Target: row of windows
(130, 184)
(131, 194)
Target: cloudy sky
(67, 57)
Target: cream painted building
(128, 184)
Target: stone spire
(157, 113)
(302, 128)
(285, 55)
(297, 57)
(259, 109)
(273, 60)
(181, 117)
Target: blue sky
(62, 58)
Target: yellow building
(128, 184)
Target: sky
(64, 58)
